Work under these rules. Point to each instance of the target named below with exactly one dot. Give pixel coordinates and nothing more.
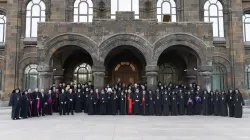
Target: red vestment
(129, 105)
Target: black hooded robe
(15, 102)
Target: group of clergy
(121, 99)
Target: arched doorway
(73, 63)
(178, 64)
(125, 64)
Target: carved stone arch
(126, 39)
(22, 65)
(3, 11)
(184, 39)
(222, 60)
(66, 40)
(246, 10)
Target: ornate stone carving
(151, 29)
(44, 39)
(99, 29)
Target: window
(31, 77)
(124, 5)
(166, 11)
(247, 76)
(83, 73)
(246, 27)
(213, 12)
(219, 77)
(83, 11)
(35, 12)
(2, 28)
(168, 74)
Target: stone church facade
(181, 41)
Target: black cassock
(165, 103)
(109, 104)
(157, 100)
(25, 109)
(123, 105)
(15, 102)
(113, 100)
(231, 104)
(103, 103)
(238, 103)
(190, 103)
(223, 105)
(54, 101)
(35, 107)
(49, 105)
(78, 100)
(136, 106)
(70, 101)
(205, 104)
(150, 104)
(198, 104)
(211, 104)
(181, 103)
(86, 102)
(91, 103)
(63, 103)
(216, 105)
(174, 110)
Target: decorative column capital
(44, 68)
(205, 73)
(152, 68)
(101, 74)
(151, 73)
(206, 68)
(98, 68)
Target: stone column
(58, 76)
(191, 79)
(151, 74)
(45, 77)
(99, 75)
(58, 79)
(205, 77)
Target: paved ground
(84, 127)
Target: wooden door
(126, 73)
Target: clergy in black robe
(35, 103)
(54, 96)
(91, 103)
(78, 101)
(97, 105)
(143, 103)
(223, 104)
(136, 101)
(86, 101)
(211, 103)
(150, 103)
(198, 103)
(238, 103)
(174, 110)
(113, 103)
(216, 103)
(43, 102)
(103, 102)
(63, 102)
(158, 103)
(15, 103)
(230, 97)
(181, 102)
(49, 103)
(70, 102)
(205, 103)
(25, 105)
(30, 102)
(190, 102)
(166, 103)
(109, 102)
(123, 100)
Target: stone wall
(20, 51)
